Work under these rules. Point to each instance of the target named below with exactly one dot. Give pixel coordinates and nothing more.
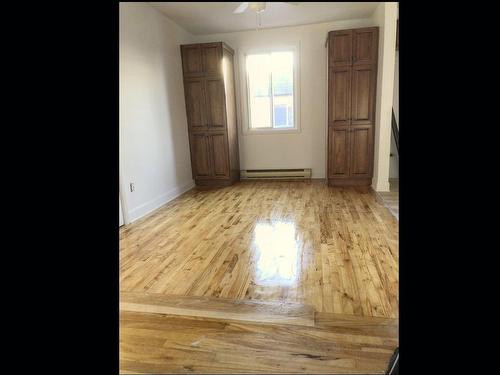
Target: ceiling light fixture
(258, 8)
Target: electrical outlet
(132, 187)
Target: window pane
(259, 90)
(280, 113)
(282, 77)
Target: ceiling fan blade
(241, 8)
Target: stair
(395, 130)
(179, 334)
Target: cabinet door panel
(212, 59)
(215, 103)
(191, 60)
(200, 155)
(219, 154)
(361, 151)
(338, 152)
(365, 45)
(340, 48)
(339, 96)
(195, 103)
(363, 94)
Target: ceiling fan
(256, 7)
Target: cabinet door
(195, 103)
(338, 152)
(192, 63)
(340, 48)
(363, 95)
(200, 155)
(215, 103)
(361, 151)
(212, 59)
(365, 46)
(339, 96)
(219, 155)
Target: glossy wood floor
(335, 249)
(161, 344)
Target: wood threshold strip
(274, 312)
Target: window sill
(271, 131)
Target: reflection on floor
(277, 253)
(391, 198)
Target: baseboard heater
(276, 174)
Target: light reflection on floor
(277, 253)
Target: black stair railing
(395, 130)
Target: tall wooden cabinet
(209, 91)
(352, 80)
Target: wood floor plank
(339, 344)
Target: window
(271, 90)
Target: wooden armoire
(352, 81)
(208, 70)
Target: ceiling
(217, 17)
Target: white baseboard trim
(156, 203)
(381, 187)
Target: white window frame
(246, 130)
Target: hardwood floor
(261, 277)
(335, 249)
(391, 199)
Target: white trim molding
(385, 17)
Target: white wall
(154, 147)
(306, 149)
(385, 17)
